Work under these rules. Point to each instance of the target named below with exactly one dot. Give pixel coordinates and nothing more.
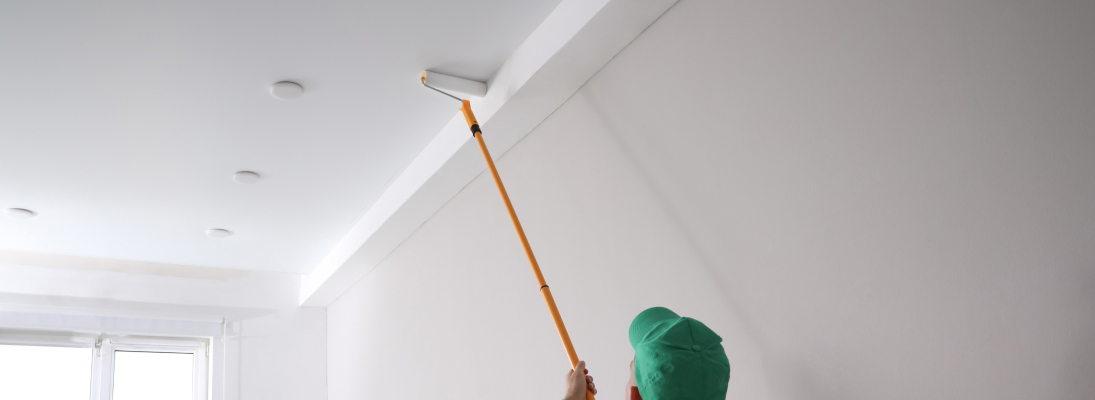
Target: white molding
(47, 338)
(108, 325)
(49, 289)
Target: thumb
(580, 367)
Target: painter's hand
(578, 382)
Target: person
(676, 358)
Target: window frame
(104, 348)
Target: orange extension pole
(544, 289)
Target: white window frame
(104, 348)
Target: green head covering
(677, 358)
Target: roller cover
(456, 85)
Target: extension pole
(544, 289)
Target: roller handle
(544, 289)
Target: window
(141, 375)
(72, 366)
(45, 373)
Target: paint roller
(445, 84)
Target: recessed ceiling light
(245, 177)
(19, 213)
(286, 90)
(218, 233)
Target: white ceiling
(122, 122)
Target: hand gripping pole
(544, 289)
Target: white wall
(455, 312)
(866, 200)
(281, 356)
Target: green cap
(677, 358)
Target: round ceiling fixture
(19, 213)
(246, 177)
(286, 90)
(218, 233)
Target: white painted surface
(278, 357)
(109, 325)
(122, 122)
(865, 201)
(572, 44)
(147, 291)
